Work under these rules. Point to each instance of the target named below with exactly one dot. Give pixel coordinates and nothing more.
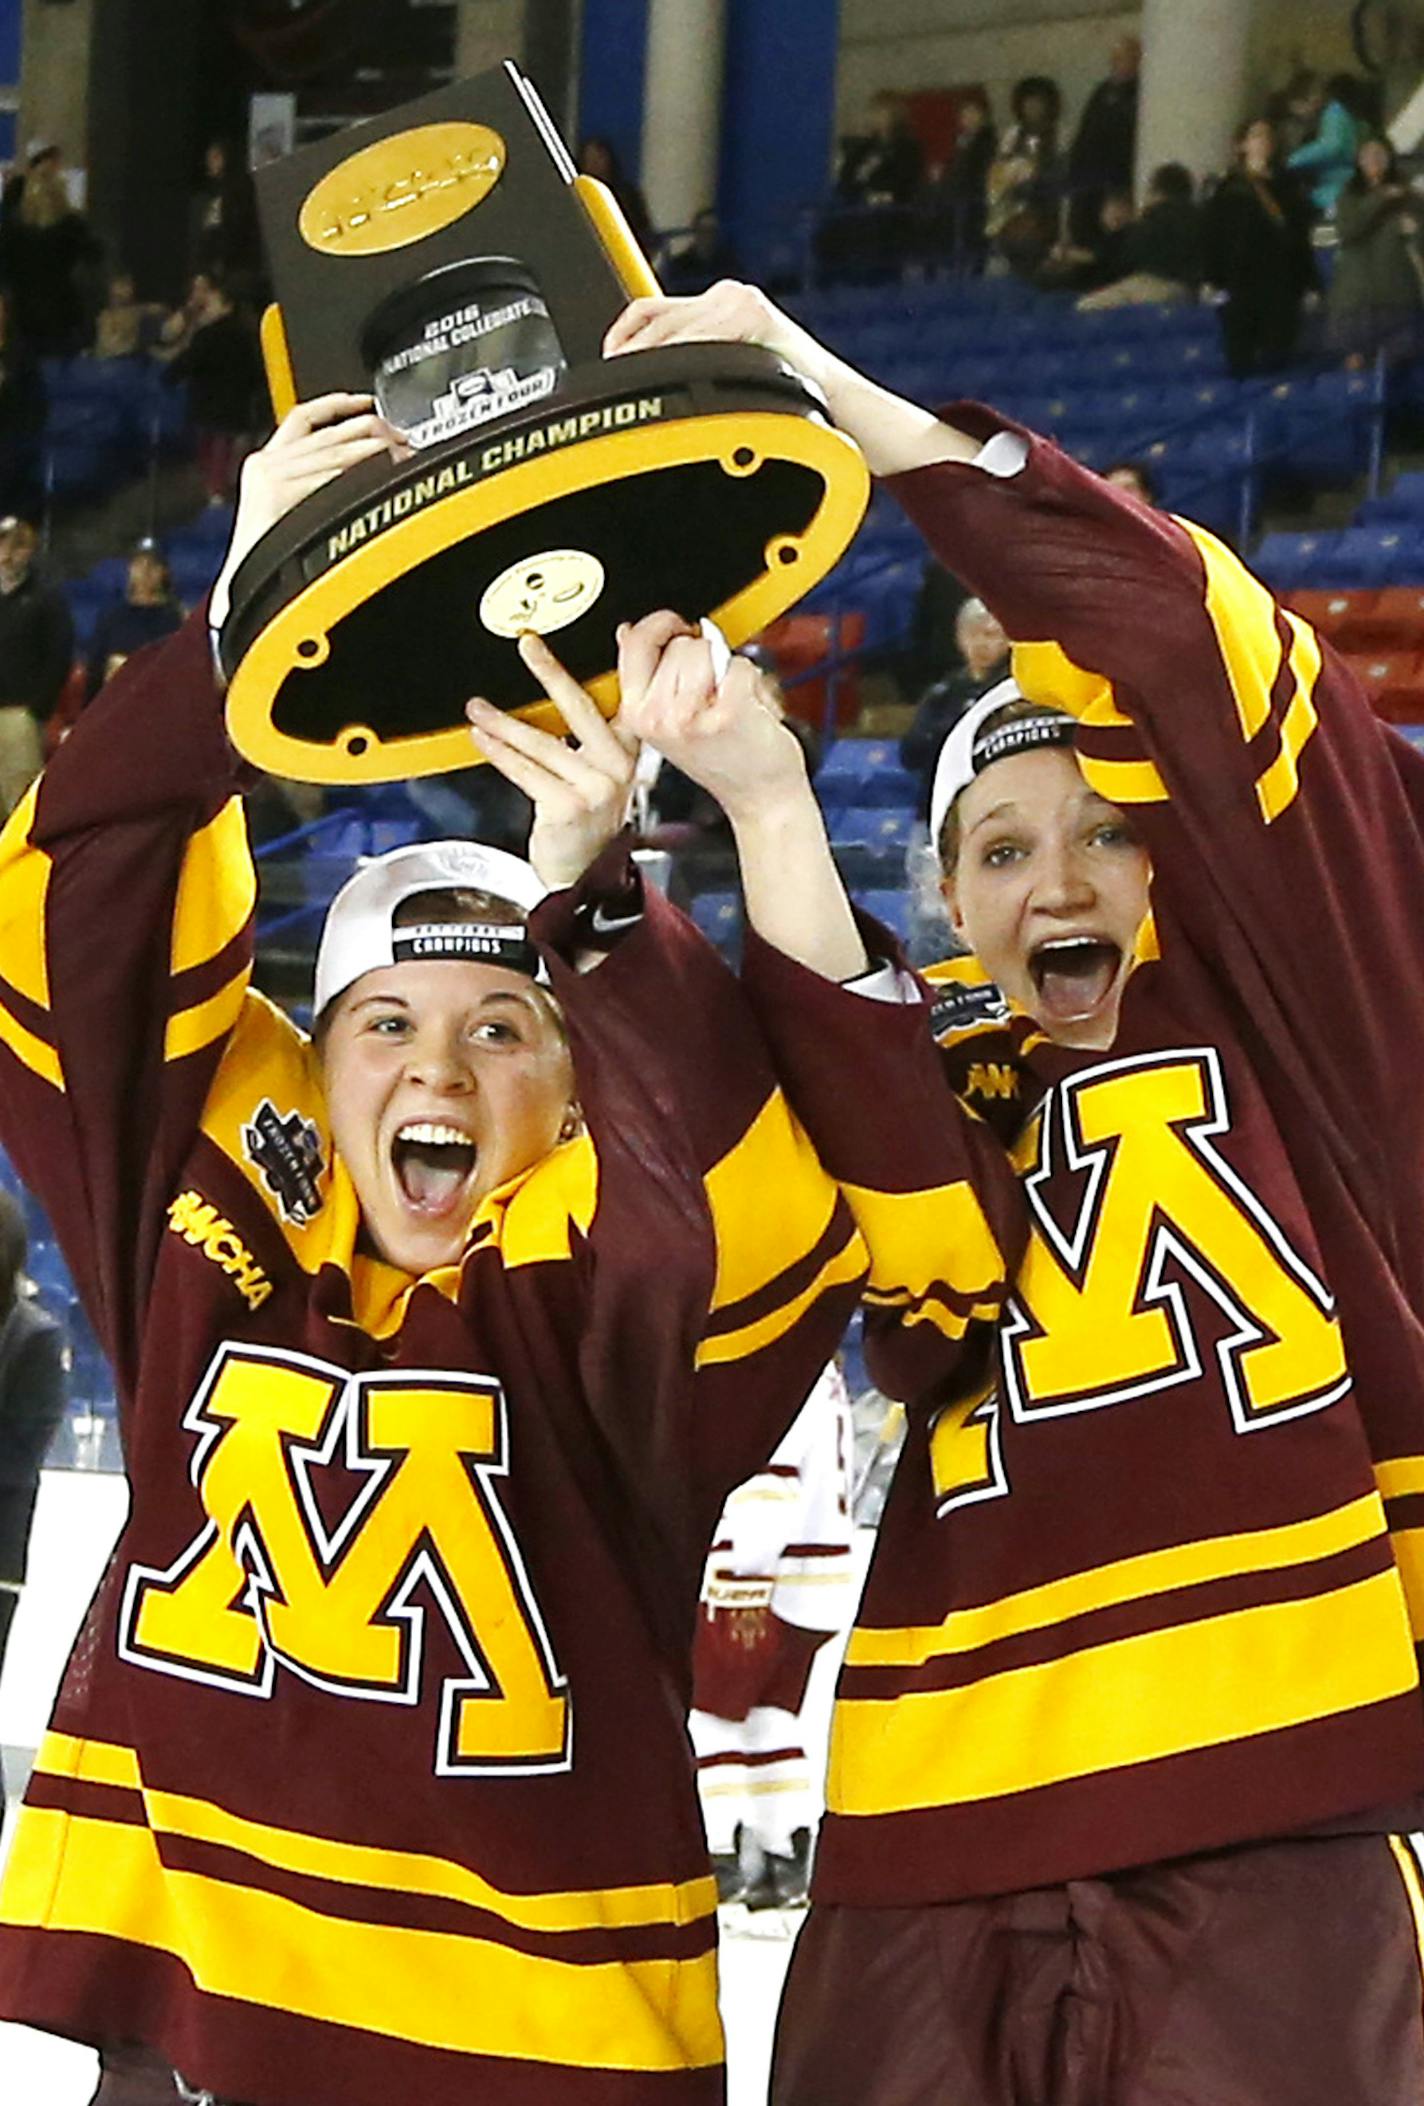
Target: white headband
(965, 754)
(360, 934)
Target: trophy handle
(634, 271)
(277, 359)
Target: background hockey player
(780, 1581)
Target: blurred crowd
(1313, 212)
(63, 298)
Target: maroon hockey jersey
(1150, 1572)
(369, 1780)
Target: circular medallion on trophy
(461, 346)
(543, 593)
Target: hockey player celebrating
(439, 1342)
(1129, 1735)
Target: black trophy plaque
(448, 258)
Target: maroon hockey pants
(1281, 1974)
(135, 2076)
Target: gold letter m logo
(268, 1582)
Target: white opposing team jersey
(789, 1527)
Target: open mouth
(1074, 976)
(434, 1165)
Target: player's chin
(423, 1250)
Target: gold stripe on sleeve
(757, 1239)
(1408, 1547)
(1401, 1477)
(1124, 782)
(192, 1029)
(1243, 614)
(36, 1055)
(24, 889)
(847, 1264)
(217, 889)
(1279, 782)
(918, 1240)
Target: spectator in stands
(598, 157)
(954, 206)
(22, 417)
(984, 649)
(1071, 267)
(183, 323)
(1104, 150)
(223, 370)
(1136, 478)
(1025, 184)
(1327, 158)
(125, 326)
(879, 173)
(32, 1399)
(884, 164)
(36, 646)
(1377, 291)
(46, 247)
(706, 258)
(147, 611)
(1256, 237)
(222, 223)
(931, 649)
(1161, 251)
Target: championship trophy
(448, 259)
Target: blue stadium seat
(864, 772)
(1322, 423)
(1378, 555)
(86, 604)
(193, 571)
(719, 916)
(76, 467)
(892, 907)
(1403, 501)
(877, 826)
(209, 530)
(1289, 561)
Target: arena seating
(194, 552)
(1138, 381)
(106, 420)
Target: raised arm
(1269, 795)
(724, 1263)
(931, 1190)
(126, 897)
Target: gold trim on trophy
(298, 635)
(277, 360)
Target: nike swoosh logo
(611, 924)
